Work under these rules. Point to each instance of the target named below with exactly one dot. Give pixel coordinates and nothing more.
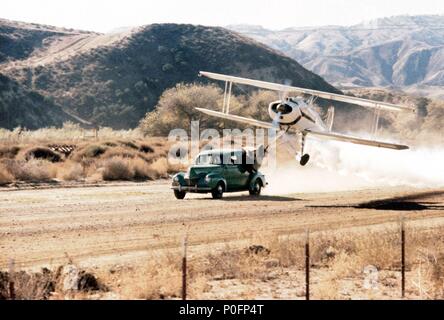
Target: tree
(176, 109)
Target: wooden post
(184, 268)
(11, 280)
(402, 257)
(307, 265)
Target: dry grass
(5, 176)
(9, 152)
(49, 284)
(70, 132)
(71, 171)
(31, 171)
(117, 168)
(109, 160)
(338, 262)
(150, 281)
(142, 170)
(42, 153)
(160, 167)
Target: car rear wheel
(218, 192)
(256, 189)
(179, 194)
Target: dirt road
(125, 222)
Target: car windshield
(208, 159)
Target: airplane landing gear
(305, 157)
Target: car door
(231, 175)
(236, 177)
(244, 177)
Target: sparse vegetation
(5, 176)
(176, 108)
(422, 128)
(338, 258)
(113, 157)
(122, 77)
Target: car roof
(220, 151)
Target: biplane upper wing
(325, 95)
(344, 138)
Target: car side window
(217, 159)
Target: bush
(160, 167)
(176, 109)
(9, 152)
(117, 168)
(33, 171)
(146, 149)
(89, 151)
(42, 153)
(142, 170)
(5, 176)
(72, 172)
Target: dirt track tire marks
(124, 222)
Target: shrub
(34, 170)
(160, 167)
(89, 151)
(72, 172)
(129, 144)
(176, 109)
(142, 170)
(42, 153)
(9, 152)
(117, 168)
(5, 176)
(146, 149)
(119, 152)
(94, 151)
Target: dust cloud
(336, 166)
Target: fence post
(402, 256)
(307, 265)
(11, 279)
(184, 267)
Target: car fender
(181, 177)
(256, 176)
(215, 179)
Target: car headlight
(207, 179)
(176, 179)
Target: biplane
(296, 112)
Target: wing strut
(375, 124)
(227, 97)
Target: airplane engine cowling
(284, 112)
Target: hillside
(19, 40)
(20, 107)
(114, 79)
(403, 51)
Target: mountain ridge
(399, 51)
(114, 79)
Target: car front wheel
(218, 192)
(256, 189)
(179, 194)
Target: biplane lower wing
(344, 138)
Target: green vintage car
(219, 171)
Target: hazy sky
(106, 15)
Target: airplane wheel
(256, 190)
(218, 192)
(304, 160)
(179, 194)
